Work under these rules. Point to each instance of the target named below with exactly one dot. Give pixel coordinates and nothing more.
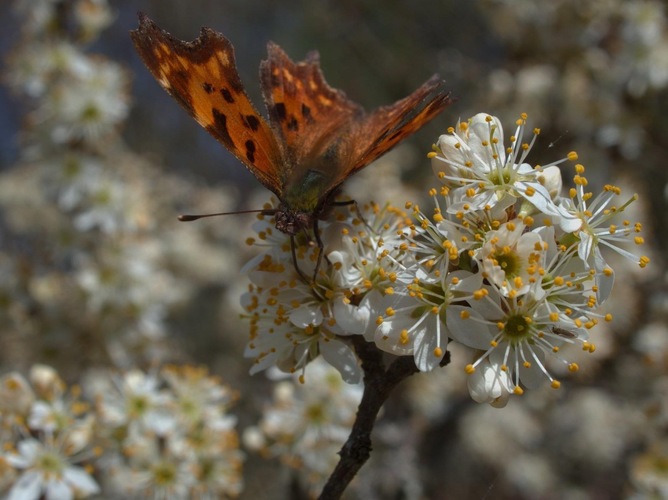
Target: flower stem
(378, 384)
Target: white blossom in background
(165, 434)
(47, 469)
(48, 436)
(94, 201)
(307, 422)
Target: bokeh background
(134, 287)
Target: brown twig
(378, 384)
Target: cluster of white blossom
(306, 424)
(504, 264)
(134, 435)
(608, 60)
(77, 201)
(47, 435)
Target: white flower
(198, 397)
(473, 162)
(16, 395)
(488, 384)
(92, 103)
(417, 319)
(511, 258)
(93, 16)
(137, 400)
(294, 320)
(289, 329)
(306, 424)
(597, 230)
(515, 335)
(48, 471)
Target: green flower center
(508, 261)
(50, 462)
(500, 179)
(164, 473)
(315, 414)
(517, 328)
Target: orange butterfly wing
(387, 126)
(324, 130)
(202, 76)
(306, 111)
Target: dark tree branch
(378, 384)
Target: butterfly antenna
(189, 218)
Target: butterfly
(315, 138)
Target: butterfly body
(315, 137)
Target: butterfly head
(292, 221)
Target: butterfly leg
(293, 248)
(321, 249)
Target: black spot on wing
(208, 88)
(250, 151)
(251, 121)
(236, 85)
(306, 113)
(293, 124)
(279, 111)
(227, 95)
(219, 129)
